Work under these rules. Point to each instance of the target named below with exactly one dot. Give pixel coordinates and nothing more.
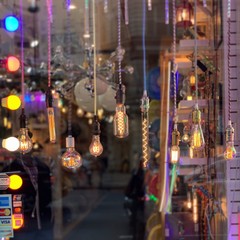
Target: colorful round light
(11, 23)
(11, 102)
(13, 64)
(11, 144)
(15, 182)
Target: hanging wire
(144, 47)
(86, 19)
(94, 58)
(126, 12)
(22, 56)
(228, 58)
(166, 11)
(195, 49)
(174, 60)
(119, 44)
(49, 4)
(68, 43)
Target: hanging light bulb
(189, 200)
(185, 136)
(197, 139)
(175, 150)
(50, 113)
(230, 151)
(192, 79)
(12, 102)
(96, 147)
(195, 207)
(145, 128)
(184, 14)
(11, 144)
(120, 126)
(25, 142)
(71, 159)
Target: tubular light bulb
(145, 128)
(120, 122)
(195, 207)
(96, 147)
(230, 151)
(192, 79)
(51, 123)
(175, 150)
(71, 159)
(197, 139)
(189, 200)
(11, 144)
(50, 113)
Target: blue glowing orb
(11, 23)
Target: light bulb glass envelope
(175, 154)
(11, 144)
(11, 23)
(71, 159)
(25, 142)
(120, 122)
(230, 151)
(197, 139)
(96, 147)
(12, 102)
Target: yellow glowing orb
(15, 182)
(11, 102)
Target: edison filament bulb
(96, 147)
(25, 142)
(71, 159)
(197, 139)
(230, 151)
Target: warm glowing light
(17, 221)
(184, 14)
(230, 151)
(80, 112)
(25, 142)
(145, 128)
(15, 182)
(185, 138)
(12, 64)
(197, 139)
(71, 159)
(195, 208)
(192, 79)
(11, 144)
(189, 200)
(96, 147)
(175, 150)
(120, 120)
(145, 141)
(175, 154)
(11, 102)
(51, 124)
(189, 98)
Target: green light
(173, 180)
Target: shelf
(190, 103)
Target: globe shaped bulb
(71, 159)
(11, 144)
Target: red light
(13, 64)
